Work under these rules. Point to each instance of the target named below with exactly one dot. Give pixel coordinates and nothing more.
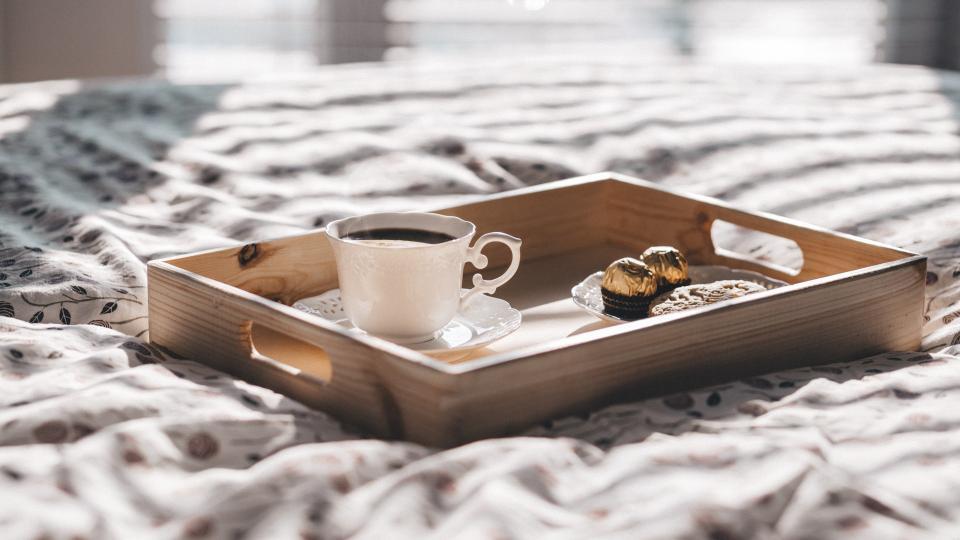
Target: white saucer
(484, 320)
(586, 294)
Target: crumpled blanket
(103, 435)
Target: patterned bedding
(102, 435)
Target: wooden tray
(230, 308)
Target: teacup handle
(479, 261)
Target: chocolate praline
(669, 265)
(628, 287)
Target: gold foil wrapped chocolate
(630, 277)
(668, 264)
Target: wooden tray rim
(166, 264)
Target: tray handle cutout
(289, 354)
(754, 245)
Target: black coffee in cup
(399, 236)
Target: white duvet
(105, 436)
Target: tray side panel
(549, 221)
(286, 269)
(639, 216)
(383, 394)
(830, 322)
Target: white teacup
(407, 291)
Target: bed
(104, 435)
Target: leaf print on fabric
(200, 527)
(53, 431)
(6, 309)
(99, 322)
(7, 262)
(109, 307)
(26, 273)
(134, 346)
(64, 315)
(78, 289)
(678, 401)
(759, 382)
(37, 317)
(202, 446)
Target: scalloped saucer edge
(482, 321)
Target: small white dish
(482, 321)
(586, 294)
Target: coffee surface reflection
(398, 237)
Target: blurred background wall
(223, 39)
(55, 39)
(923, 32)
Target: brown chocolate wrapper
(665, 288)
(628, 308)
